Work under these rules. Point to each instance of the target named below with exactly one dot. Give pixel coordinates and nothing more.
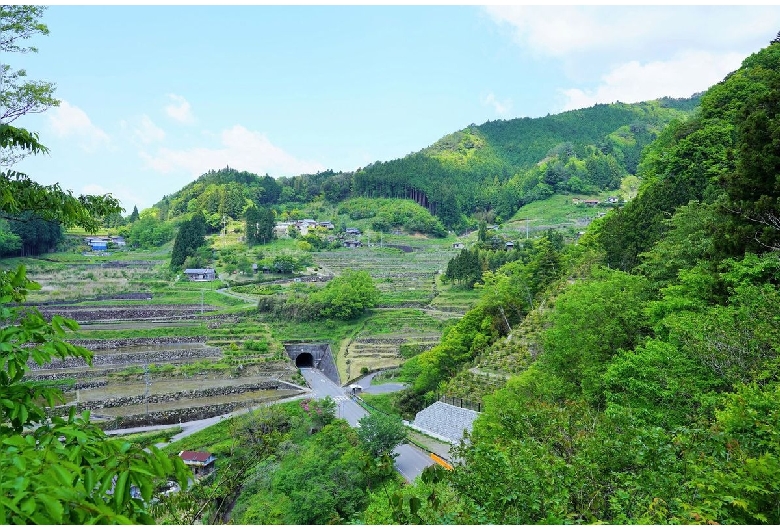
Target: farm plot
(404, 279)
(138, 377)
(377, 344)
(62, 280)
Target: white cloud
(241, 148)
(641, 32)
(502, 108)
(632, 82)
(636, 53)
(147, 132)
(127, 196)
(69, 121)
(180, 109)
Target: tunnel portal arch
(317, 356)
(304, 360)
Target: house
(281, 229)
(326, 224)
(590, 202)
(201, 275)
(118, 241)
(352, 232)
(199, 462)
(98, 245)
(351, 243)
(612, 200)
(97, 242)
(458, 245)
(509, 245)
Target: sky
(154, 96)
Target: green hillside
(632, 378)
(487, 171)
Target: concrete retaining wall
(322, 355)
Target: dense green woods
(641, 360)
(487, 171)
(646, 389)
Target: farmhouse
(350, 243)
(352, 232)
(199, 462)
(590, 202)
(201, 275)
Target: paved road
(383, 388)
(410, 461)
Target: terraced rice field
(376, 345)
(405, 279)
(142, 365)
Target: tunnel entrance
(304, 360)
(314, 355)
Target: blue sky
(152, 97)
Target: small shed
(458, 245)
(355, 389)
(350, 243)
(201, 275)
(201, 463)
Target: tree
(133, 216)
(381, 433)
(347, 296)
(55, 470)
(19, 193)
(191, 236)
(259, 225)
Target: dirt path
(227, 292)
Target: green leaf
(53, 506)
(119, 489)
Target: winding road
(410, 461)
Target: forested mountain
(644, 359)
(492, 169)
(504, 164)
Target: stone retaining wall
(91, 314)
(175, 396)
(171, 417)
(130, 359)
(374, 340)
(113, 344)
(98, 298)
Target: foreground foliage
(650, 391)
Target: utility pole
(526, 227)
(148, 384)
(201, 301)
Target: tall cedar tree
(191, 236)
